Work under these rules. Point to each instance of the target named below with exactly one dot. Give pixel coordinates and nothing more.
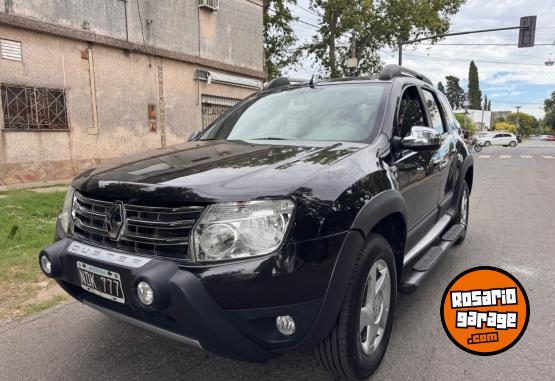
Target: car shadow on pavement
(127, 351)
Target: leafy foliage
(466, 124)
(440, 87)
(549, 108)
(504, 126)
(454, 92)
(375, 24)
(474, 93)
(279, 37)
(486, 104)
(528, 124)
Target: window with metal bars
(33, 108)
(214, 106)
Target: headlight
(234, 230)
(65, 215)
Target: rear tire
(353, 349)
(487, 144)
(463, 211)
(477, 148)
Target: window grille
(33, 108)
(213, 107)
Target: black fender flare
(380, 206)
(468, 162)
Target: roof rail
(277, 82)
(393, 71)
(284, 81)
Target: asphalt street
(512, 226)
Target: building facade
(85, 81)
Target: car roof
(389, 74)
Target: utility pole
(352, 62)
(400, 51)
(353, 53)
(517, 119)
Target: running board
(429, 260)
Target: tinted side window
(435, 113)
(410, 112)
(452, 122)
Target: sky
(508, 75)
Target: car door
(444, 121)
(508, 139)
(417, 175)
(497, 140)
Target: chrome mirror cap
(422, 138)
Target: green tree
(504, 126)
(454, 92)
(528, 124)
(474, 93)
(489, 104)
(374, 25)
(549, 108)
(279, 37)
(485, 105)
(466, 124)
(440, 87)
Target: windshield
(331, 112)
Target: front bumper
(184, 308)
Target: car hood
(208, 171)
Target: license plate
(101, 282)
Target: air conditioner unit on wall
(213, 5)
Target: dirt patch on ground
(30, 298)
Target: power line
(484, 44)
(478, 61)
(307, 10)
(516, 103)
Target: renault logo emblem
(115, 220)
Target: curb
(40, 184)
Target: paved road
(511, 226)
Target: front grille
(158, 231)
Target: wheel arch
(383, 214)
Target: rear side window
(452, 122)
(434, 111)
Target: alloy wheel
(375, 307)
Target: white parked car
(498, 139)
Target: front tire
(487, 144)
(512, 144)
(357, 343)
(477, 148)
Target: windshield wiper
(269, 138)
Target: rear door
(445, 157)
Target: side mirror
(421, 139)
(194, 136)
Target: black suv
(290, 222)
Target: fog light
(46, 265)
(145, 293)
(285, 325)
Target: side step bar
(428, 261)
